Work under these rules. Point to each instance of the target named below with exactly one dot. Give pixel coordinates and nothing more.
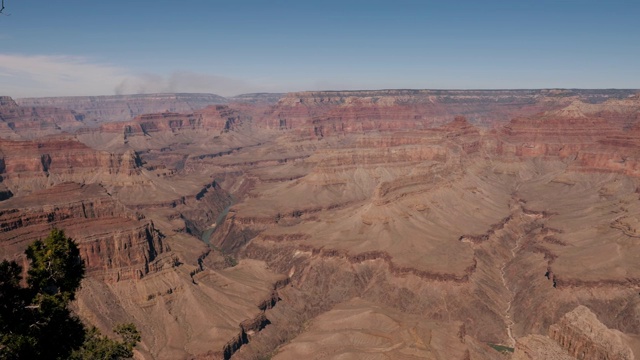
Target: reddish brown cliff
(29, 122)
(597, 136)
(115, 243)
(28, 165)
(326, 112)
(219, 117)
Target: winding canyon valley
(391, 224)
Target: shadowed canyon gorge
(391, 224)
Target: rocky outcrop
(374, 194)
(599, 137)
(323, 113)
(97, 109)
(217, 118)
(583, 336)
(538, 347)
(32, 165)
(577, 335)
(27, 122)
(115, 242)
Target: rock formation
(27, 122)
(37, 164)
(578, 335)
(467, 223)
(584, 337)
(97, 109)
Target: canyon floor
(394, 224)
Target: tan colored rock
(358, 329)
(539, 347)
(583, 336)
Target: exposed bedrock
(322, 278)
(114, 242)
(203, 316)
(27, 122)
(323, 113)
(581, 334)
(125, 107)
(510, 286)
(577, 335)
(596, 137)
(219, 118)
(203, 210)
(346, 223)
(34, 165)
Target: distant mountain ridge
(98, 109)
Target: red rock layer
(580, 132)
(219, 117)
(114, 242)
(29, 165)
(31, 122)
(327, 112)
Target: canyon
(391, 224)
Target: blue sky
(82, 47)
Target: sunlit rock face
(398, 223)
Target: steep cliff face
(322, 113)
(577, 335)
(115, 242)
(97, 109)
(27, 122)
(600, 137)
(32, 165)
(537, 347)
(583, 336)
(219, 118)
(433, 220)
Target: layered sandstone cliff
(28, 122)
(219, 118)
(583, 336)
(32, 165)
(599, 137)
(373, 207)
(97, 109)
(325, 112)
(114, 242)
(577, 335)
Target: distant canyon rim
(390, 224)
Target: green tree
(56, 267)
(99, 347)
(35, 321)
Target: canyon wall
(578, 335)
(254, 227)
(97, 109)
(28, 122)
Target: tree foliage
(97, 346)
(56, 267)
(35, 321)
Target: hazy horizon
(338, 90)
(230, 48)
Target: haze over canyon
(390, 224)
